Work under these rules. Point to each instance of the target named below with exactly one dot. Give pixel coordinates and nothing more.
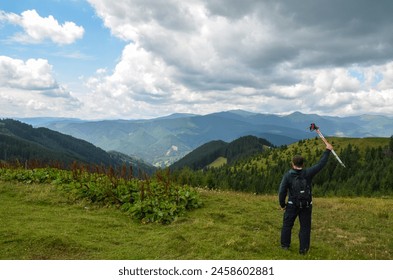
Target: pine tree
(391, 144)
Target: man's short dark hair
(298, 161)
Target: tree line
(369, 171)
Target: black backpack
(301, 191)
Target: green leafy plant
(149, 200)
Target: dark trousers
(304, 214)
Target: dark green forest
(369, 170)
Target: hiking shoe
(285, 248)
(303, 251)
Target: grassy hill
(312, 149)
(39, 222)
(43, 221)
(218, 162)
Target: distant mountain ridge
(163, 141)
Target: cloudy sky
(131, 59)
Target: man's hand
(329, 146)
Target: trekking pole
(316, 128)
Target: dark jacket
(308, 174)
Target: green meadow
(39, 222)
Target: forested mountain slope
(369, 168)
(206, 154)
(21, 142)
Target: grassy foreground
(38, 222)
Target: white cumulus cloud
(31, 85)
(37, 29)
(32, 74)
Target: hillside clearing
(39, 223)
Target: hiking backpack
(301, 191)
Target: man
(296, 206)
